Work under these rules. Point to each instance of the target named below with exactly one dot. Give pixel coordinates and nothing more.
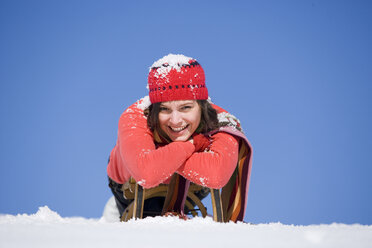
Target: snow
(47, 228)
(227, 117)
(144, 103)
(173, 61)
(168, 63)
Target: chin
(181, 138)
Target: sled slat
(217, 205)
(139, 199)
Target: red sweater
(135, 155)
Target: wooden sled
(133, 190)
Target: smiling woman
(199, 113)
(175, 132)
(179, 119)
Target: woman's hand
(201, 142)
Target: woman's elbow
(148, 174)
(217, 177)
(218, 180)
(145, 179)
(143, 175)
(148, 183)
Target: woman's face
(179, 119)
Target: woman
(177, 132)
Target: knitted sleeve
(214, 168)
(146, 164)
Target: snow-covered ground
(47, 228)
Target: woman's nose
(175, 118)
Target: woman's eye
(186, 107)
(163, 109)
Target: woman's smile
(179, 129)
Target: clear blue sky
(296, 73)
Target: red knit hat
(176, 77)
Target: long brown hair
(208, 120)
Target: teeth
(178, 129)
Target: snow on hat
(176, 77)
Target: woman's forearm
(213, 168)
